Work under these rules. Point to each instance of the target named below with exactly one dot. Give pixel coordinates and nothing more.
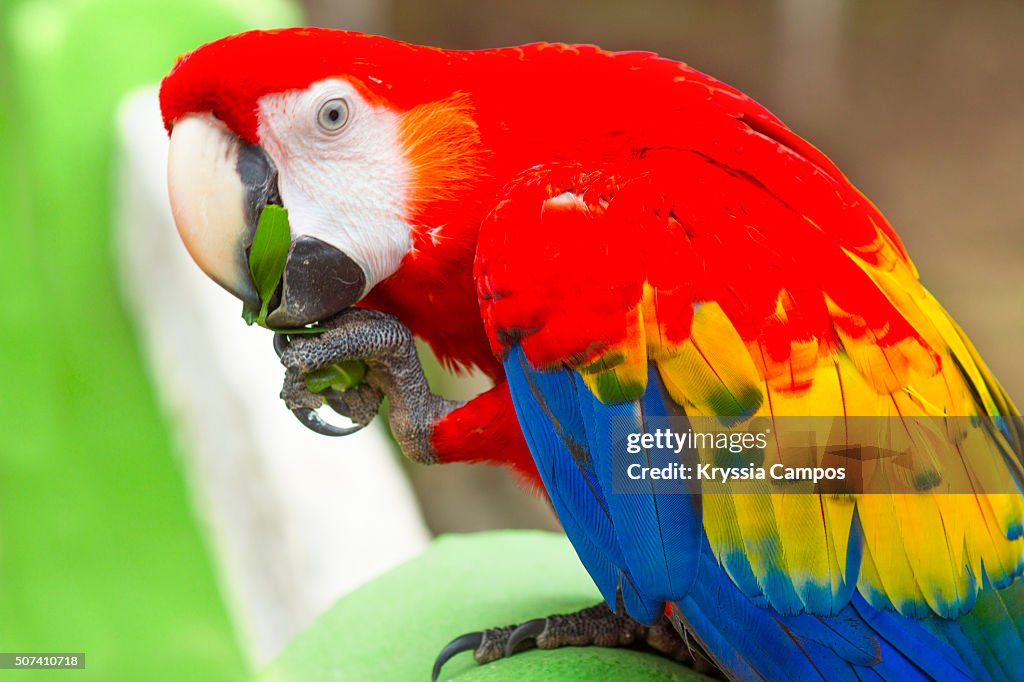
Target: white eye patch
(341, 172)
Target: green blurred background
(920, 102)
(99, 549)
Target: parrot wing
(691, 283)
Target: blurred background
(161, 512)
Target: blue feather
(658, 524)
(743, 627)
(590, 532)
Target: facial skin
(341, 172)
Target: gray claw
(313, 422)
(527, 631)
(467, 642)
(281, 343)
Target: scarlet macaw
(616, 236)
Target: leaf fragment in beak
(267, 257)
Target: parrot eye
(333, 115)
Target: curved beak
(219, 185)
(212, 205)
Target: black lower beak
(319, 282)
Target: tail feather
(753, 642)
(909, 640)
(989, 638)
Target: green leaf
(268, 255)
(343, 375)
(249, 314)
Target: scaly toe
(528, 631)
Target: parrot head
(302, 119)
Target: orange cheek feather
(441, 142)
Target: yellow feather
(713, 370)
(883, 539)
(930, 549)
(802, 533)
(838, 511)
(723, 531)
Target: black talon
(313, 422)
(467, 642)
(528, 630)
(281, 343)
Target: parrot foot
(393, 370)
(594, 626)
